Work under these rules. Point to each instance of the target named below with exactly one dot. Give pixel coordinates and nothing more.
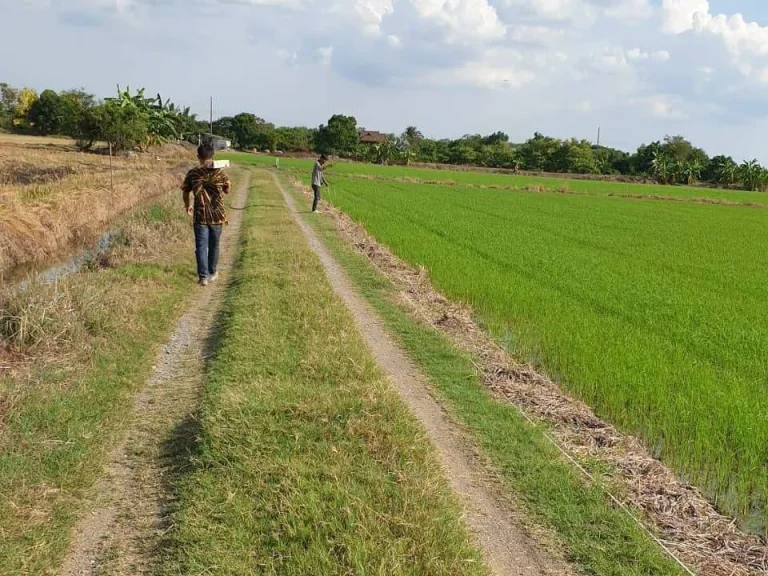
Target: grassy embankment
(652, 312)
(53, 198)
(587, 529)
(72, 355)
(343, 171)
(308, 462)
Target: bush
(126, 128)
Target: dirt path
(507, 550)
(122, 533)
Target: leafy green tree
(576, 157)
(539, 153)
(47, 113)
(461, 152)
(643, 162)
(75, 103)
(297, 139)
(25, 99)
(681, 150)
(500, 155)
(8, 99)
(339, 136)
(722, 171)
(495, 138)
(611, 161)
(427, 151)
(124, 127)
(249, 131)
(225, 126)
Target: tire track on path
(507, 550)
(122, 532)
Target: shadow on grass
(182, 450)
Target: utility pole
(211, 115)
(598, 135)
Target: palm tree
(413, 136)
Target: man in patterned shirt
(204, 189)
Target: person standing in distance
(204, 189)
(318, 179)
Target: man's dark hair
(323, 157)
(205, 152)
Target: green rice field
(654, 312)
(510, 181)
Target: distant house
(372, 137)
(218, 142)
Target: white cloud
(635, 55)
(325, 55)
(371, 13)
(679, 15)
(629, 10)
(394, 41)
(464, 19)
(497, 69)
(744, 41)
(662, 105)
(535, 34)
(554, 9)
(482, 75)
(564, 59)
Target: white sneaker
(203, 282)
(214, 277)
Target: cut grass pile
(654, 313)
(72, 354)
(308, 463)
(589, 531)
(303, 167)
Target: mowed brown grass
(54, 198)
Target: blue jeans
(207, 249)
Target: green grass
(597, 538)
(303, 167)
(652, 312)
(93, 345)
(308, 462)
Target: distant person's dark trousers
(316, 201)
(207, 249)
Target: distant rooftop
(372, 137)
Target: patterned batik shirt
(208, 187)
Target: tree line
(673, 160)
(134, 120)
(126, 121)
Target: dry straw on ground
(53, 198)
(677, 513)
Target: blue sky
(638, 68)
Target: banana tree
(663, 168)
(749, 174)
(691, 171)
(383, 152)
(726, 172)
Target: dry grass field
(53, 197)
